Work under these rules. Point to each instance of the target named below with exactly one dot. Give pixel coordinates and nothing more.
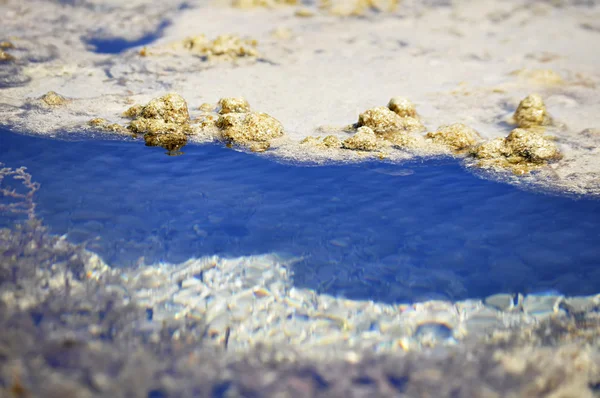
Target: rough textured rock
(233, 105)
(245, 128)
(331, 141)
(531, 112)
(531, 145)
(170, 108)
(522, 151)
(52, 98)
(164, 121)
(363, 140)
(385, 122)
(403, 107)
(223, 46)
(381, 120)
(456, 136)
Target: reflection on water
(385, 232)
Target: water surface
(419, 230)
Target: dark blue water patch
(414, 231)
(118, 45)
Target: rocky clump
(52, 98)
(521, 151)
(225, 46)
(164, 121)
(456, 136)
(531, 112)
(392, 124)
(363, 140)
(403, 107)
(381, 120)
(233, 105)
(251, 129)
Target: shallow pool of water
(387, 232)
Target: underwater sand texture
(68, 327)
(458, 61)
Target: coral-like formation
(456, 136)
(521, 151)
(52, 98)
(15, 200)
(363, 140)
(164, 121)
(249, 129)
(531, 112)
(233, 105)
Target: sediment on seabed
(68, 325)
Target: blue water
(118, 45)
(424, 229)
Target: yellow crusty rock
(408, 141)
(331, 141)
(403, 107)
(521, 151)
(165, 114)
(492, 149)
(231, 46)
(363, 140)
(233, 105)
(381, 120)
(172, 142)
(170, 108)
(133, 111)
(385, 122)
(54, 99)
(531, 112)
(531, 145)
(244, 128)
(164, 121)
(457, 136)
